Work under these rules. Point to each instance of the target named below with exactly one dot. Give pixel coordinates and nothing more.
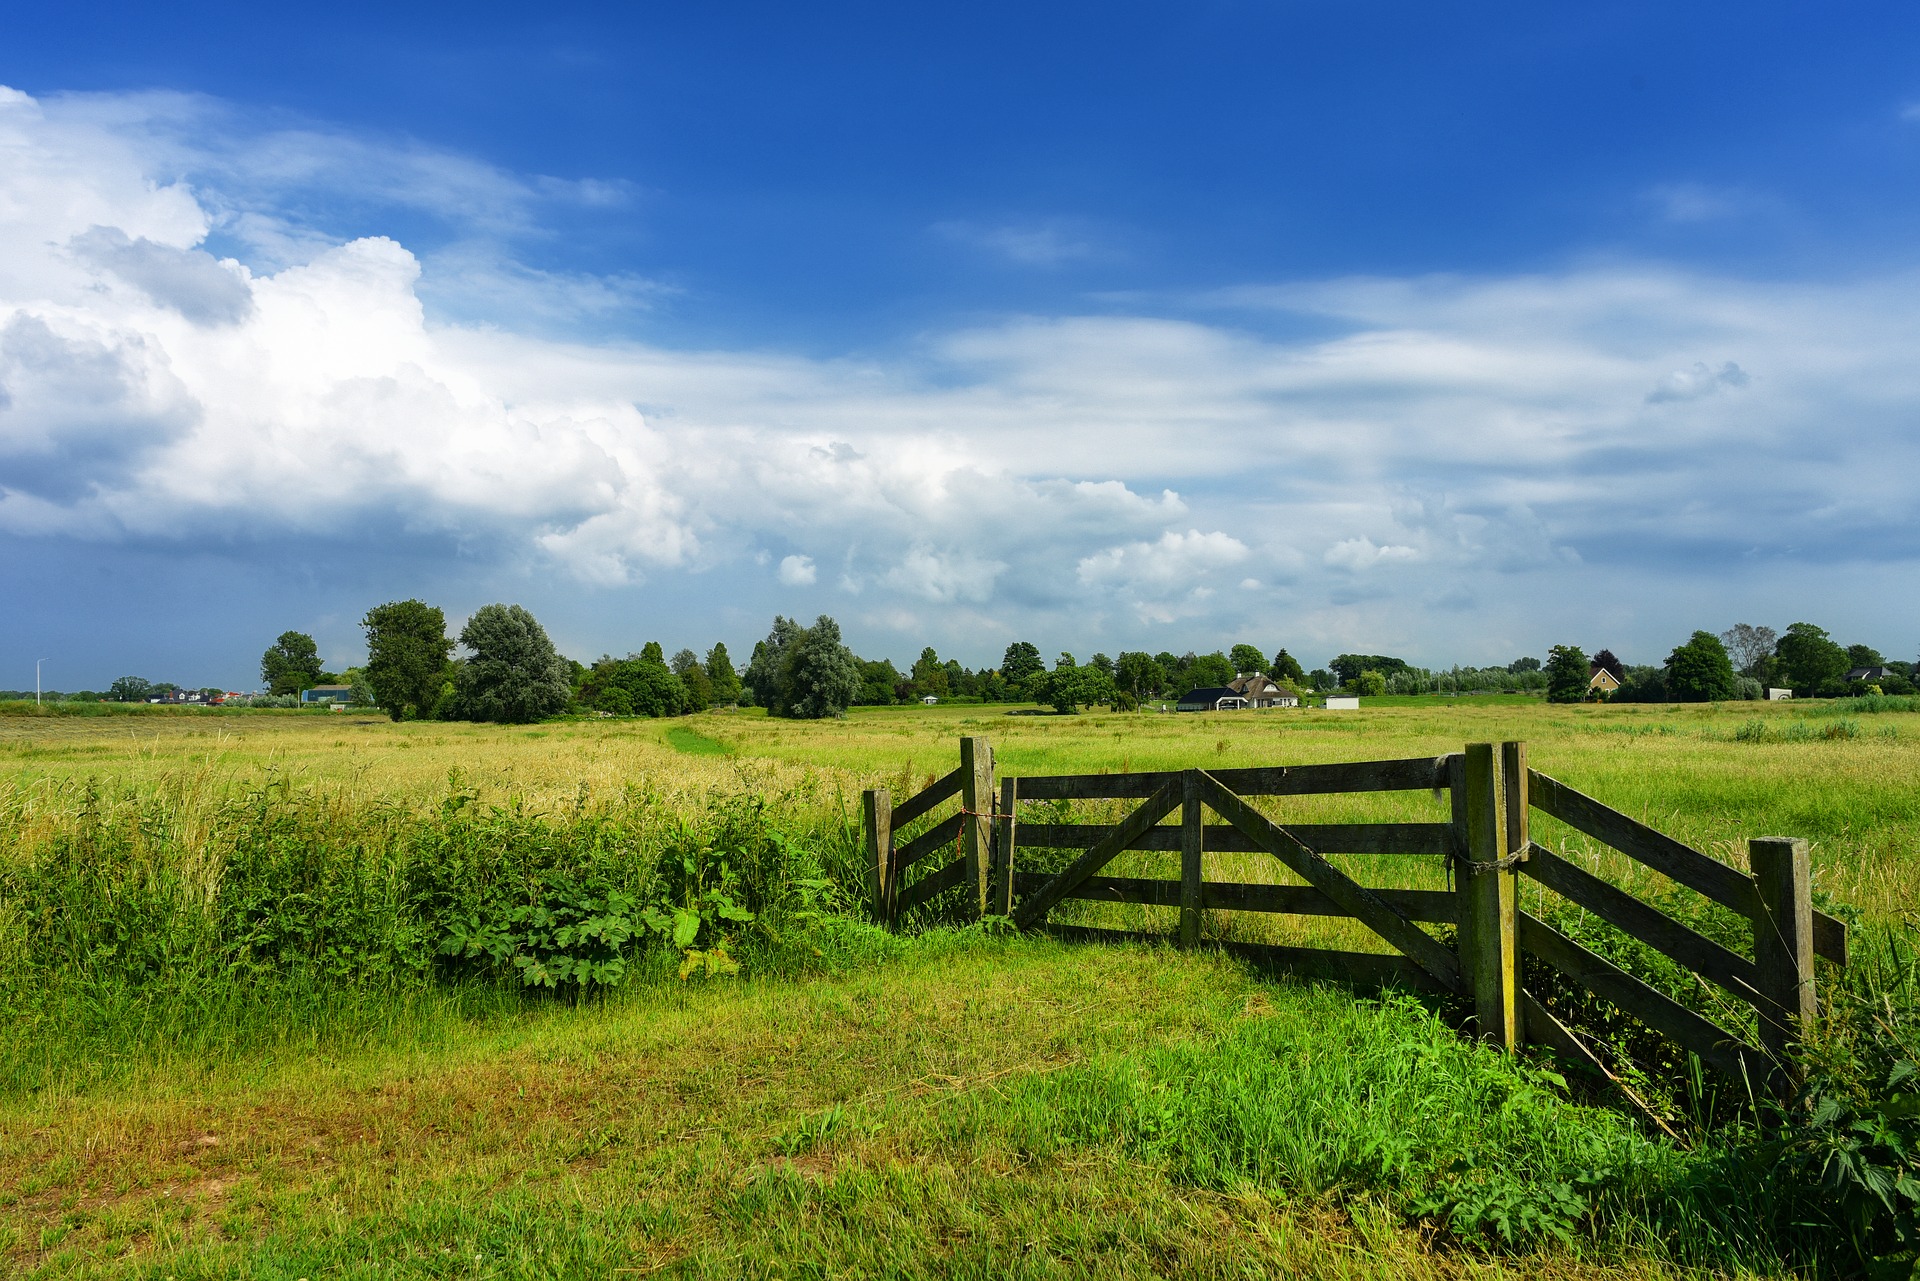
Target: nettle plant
(579, 916)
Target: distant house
(929, 699)
(1602, 682)
(320, 693)
(1220, 698)
(1343, 702)
(1871, 675)
(1261, 691)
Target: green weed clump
(123, 924)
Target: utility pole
(36, 680)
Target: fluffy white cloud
(1072, 473)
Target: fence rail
(1488, 846)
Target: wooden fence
(1486, 840)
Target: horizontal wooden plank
(1358, 901)
(931, 885)
(941, 836)
(922, 805)
(1423, 773)
(1724, 885)
(1156, 807)
(1716, 1047)
(1327, 838)
(1223, 896)
(1369, 970)
(1651, 926)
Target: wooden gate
(1486, 840)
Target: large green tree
(930, 675)
(1567, 674)
(686, 665)
(1700, 671)
(880, 682)
(721, 678)
(1209, 671)
(291, 664)
(129, 689)
(1138, 676)
(633, 686)
(514, 675)
(407, 652)
(1021, 663)
(1810, 660)
(1246, 660)
(823, 676)
(766, 673)
(1349, 666)
(1286, 667)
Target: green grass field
(226, 1055)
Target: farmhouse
(1871, 675)
(1220, 698)
(1602, 682)
(1261, 691)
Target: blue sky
(1340, 327)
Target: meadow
(262, 1015)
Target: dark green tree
(1349, 666)
(1246, 660)
(1020, 663)
(1210, 670)
(1567, 674)
(686, 665)
(1520, 666)
(514, 676)
(1864, 656)
(930, 675)
(1700, 671)
(1810, 661)
(129, 689)
(407, 652)
(291, 664)
(766, 673)
(1286, 667)
(634, 686)
(879, 681)
(1137, 676)
(823, 676)
(724, 681)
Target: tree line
(511, 672)
(1742, 662)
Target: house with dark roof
(1263, 691)
(1219, 698)
(1871, 675)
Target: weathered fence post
(1191, 870)
(976, 798)
(1003, 849)
(1783, 944)
(877, 805)
(1487, 892)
